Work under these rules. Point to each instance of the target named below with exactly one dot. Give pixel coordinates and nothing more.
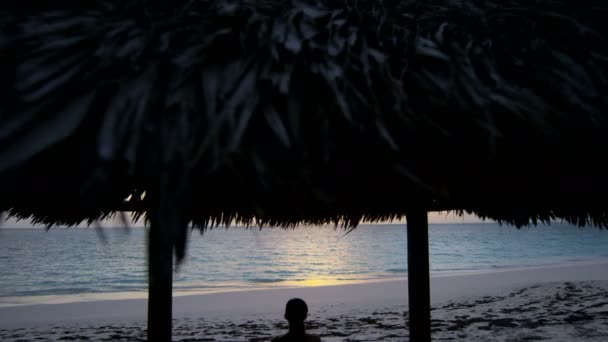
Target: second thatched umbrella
(285, 112)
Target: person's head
(296, 310)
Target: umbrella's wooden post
(418, 275)
(160, 281)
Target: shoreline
(16, 301)
(328, 299)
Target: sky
(434, 217)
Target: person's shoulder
(314, 338)
(277, 339)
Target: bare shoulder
(315, 338)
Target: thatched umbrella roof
(312, 111)
(306, 111)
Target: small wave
(127, 280)
(282, 272)
(359, 279)
(119, 288)
(187, 287)
(54, 291)
(397, 270)
(264, 280)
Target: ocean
(38, 266)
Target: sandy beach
(558, 303)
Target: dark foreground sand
(552, 311)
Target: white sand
(368, 311)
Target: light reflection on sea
(60, 265)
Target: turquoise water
(34, 262)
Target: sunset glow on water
(40, 266)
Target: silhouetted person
(296, 311)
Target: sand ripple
(555, 311)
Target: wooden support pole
(160, 280)
(418, 275)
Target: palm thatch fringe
(286, 112)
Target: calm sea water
(34, 262)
